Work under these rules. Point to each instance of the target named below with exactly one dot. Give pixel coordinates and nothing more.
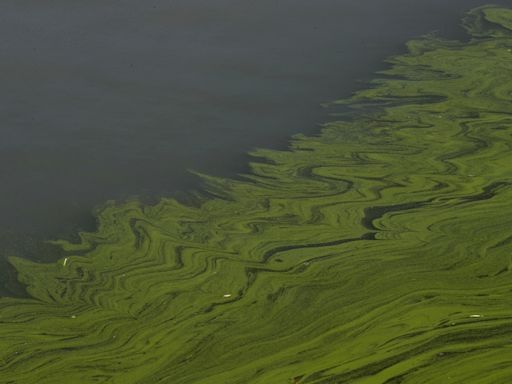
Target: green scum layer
(379, 251)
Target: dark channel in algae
(378, 252)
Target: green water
(379, 251)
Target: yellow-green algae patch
(379, 251)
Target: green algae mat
(379, 251)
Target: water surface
(377, 251)
(108, 100)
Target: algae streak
(378, 252)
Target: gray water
(112, 99)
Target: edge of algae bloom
(376, 252)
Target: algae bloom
(379, 251)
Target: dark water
(111, 99)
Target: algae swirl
(379, 251)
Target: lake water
(109, 100)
